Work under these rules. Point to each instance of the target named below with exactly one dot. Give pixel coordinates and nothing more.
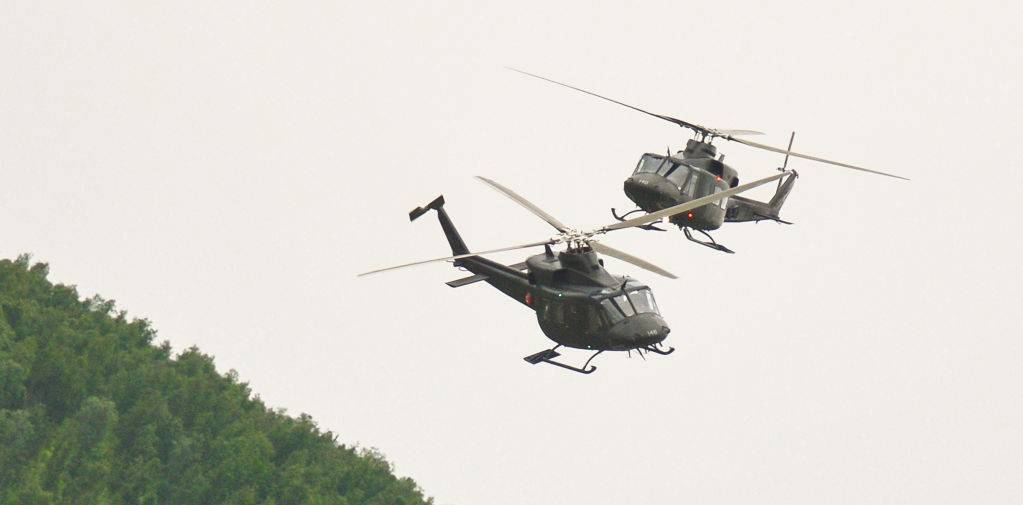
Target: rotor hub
(575, 238)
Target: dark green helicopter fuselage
(661, 181)
(577, 302)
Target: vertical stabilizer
(783, 192)
(784, 186)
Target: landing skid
(709, 242)
(650, 227)
(548, 355)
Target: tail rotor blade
(788, 149)
(785, 164)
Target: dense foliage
(91, 412)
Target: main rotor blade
(807, 156)
(726, 132)
(684, 124)
(460, 256)
(624, 256)
(690, 205)
(525, 203)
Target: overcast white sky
(225, 169)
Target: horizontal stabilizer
(769, 218)
(457, 283)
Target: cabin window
(583, 315)
(552, 313)
(688, 186)
(723, 203)
(643, 300)
(574, 315)
(705, 185)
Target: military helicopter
(661, 181)
(577, 302)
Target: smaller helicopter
(661, 181)
(577, 302)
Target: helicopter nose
(652, 192)
(638, 330)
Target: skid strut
(710, 242)
(631, 212)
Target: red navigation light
(719, 178)
(529, 298)
(690, 216)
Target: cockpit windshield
(652, 164)
(643, 300)
(620, 306)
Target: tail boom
(507, 279)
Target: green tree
(92, 412)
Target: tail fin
(437, 203)
(782, 193)
(454, 239)
(784, 186)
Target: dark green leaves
(92, 412)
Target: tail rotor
(787, 151)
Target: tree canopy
(92, 412)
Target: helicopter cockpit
(619, 305)
(615, 318)
(690, 180)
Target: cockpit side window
(624, 305)
(693, 182)
(612, 311)
(669, 168)
(678, 174)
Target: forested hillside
(92, 412)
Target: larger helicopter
(661, 181)
(577, 302)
